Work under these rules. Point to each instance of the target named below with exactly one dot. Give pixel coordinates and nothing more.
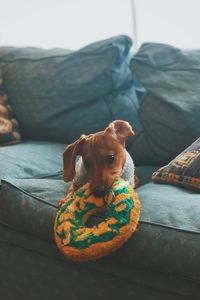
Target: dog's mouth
(100, 192)
(102, 189)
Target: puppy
(102, 157)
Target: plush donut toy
(77, 241)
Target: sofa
(57, 95)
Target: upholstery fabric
(178, 208)
(44, 276)
(170, 206)
(9, 127)
(144, 173)
(171, 106)
(30, 205)
(31, 159)
(70, 89)
(184, 170)
(11, 54)
(169, 221)
(161, 260)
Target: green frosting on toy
(123, 217)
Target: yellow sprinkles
(121, 215)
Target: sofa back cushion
(171, 106)
(10, 54)
(61, 96)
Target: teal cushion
(10, 54)
(171, 106)
(30, 205)
(167, 240)
(58, 97)
(162, 205)
(123, 105)
(170, 206)
(31, 159)
(144, 173)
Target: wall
(75, 23)
(62, 23)
(176, 22)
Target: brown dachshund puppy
(102, 157)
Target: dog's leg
(73, 187)
(137, 181)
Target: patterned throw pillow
(184, 170)
(9, 128)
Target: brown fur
(97, 151)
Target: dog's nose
(99, 191)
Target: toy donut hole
(96, 217)
(86, 229)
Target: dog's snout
(99, 191)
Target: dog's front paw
(61, 202)
(137, 181)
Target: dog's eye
(87, 164)
(109, 159)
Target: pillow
(184, 170)
(171, 106)
(11, 54)
(59, 97)
(9, 128)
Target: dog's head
(103, 155)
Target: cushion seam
(60, 56)
(26, 193)
(162, 69)
(168, 227)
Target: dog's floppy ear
(69, 158)
(121, 129)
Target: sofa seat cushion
(168, 239)
(31, 159)
(30, 205)
(170, 206)
(162, 205)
